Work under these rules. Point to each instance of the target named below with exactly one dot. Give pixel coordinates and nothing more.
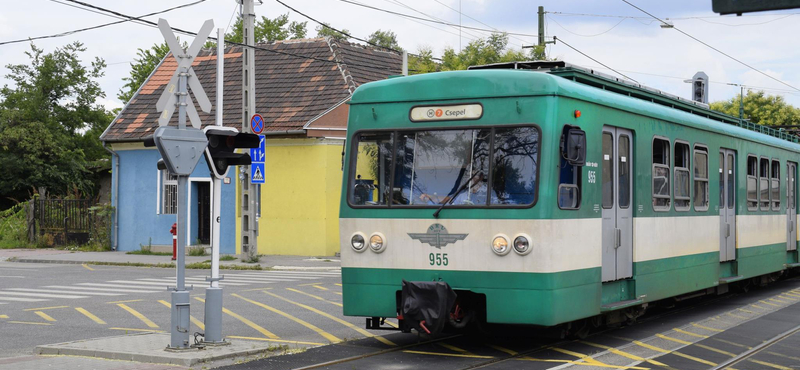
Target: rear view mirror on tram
(573, 145)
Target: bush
(197, 251)
(14, 227)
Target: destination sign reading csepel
(446, 112)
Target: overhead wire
(711, 47)
(343, 33)
(123, 20)
(459, 26)
(476, 20)
(581, 35)
(190, 33)
(595, 60)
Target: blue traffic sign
(259, 154)
(257, 173)
(257, 124)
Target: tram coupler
(425, 305)
(376, 323)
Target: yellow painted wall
(300, 199)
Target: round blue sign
(257, 124)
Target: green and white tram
(551, 196)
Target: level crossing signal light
(221, 150)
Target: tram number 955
(438, 259)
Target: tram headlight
(357, 242)
(500, 245)
(377, 242)
(522, 244)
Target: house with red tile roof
(302, 90)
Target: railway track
(757, 349)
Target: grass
(227, 257)
(197, 251)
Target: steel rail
(755, 350)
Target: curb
(164, 265)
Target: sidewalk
(61, 256)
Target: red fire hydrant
(174, 232)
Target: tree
(482, 51)
(50, 122)
(386, 39)
(770, 110)
(268, 30)
(144, 64)
(422, 62)
(327, 31)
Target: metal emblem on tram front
(437, 236)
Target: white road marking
(102, 289)
(60, 291)
(121, 286)
(16, 299)
(67, 296)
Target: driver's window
(373, 156)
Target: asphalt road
(53, 303)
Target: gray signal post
(181, 148)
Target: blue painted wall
(137, 207)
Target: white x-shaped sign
(167, 102)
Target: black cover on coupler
(429, 301)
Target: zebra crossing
(123, 287)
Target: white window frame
(669, 174)
(700, 148)
(686, 170)
(164, 181)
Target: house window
(661, 189)
(681, 173)
(763, 184)
(752, 183)
(700, 178)
(169, 193)
(775, 189)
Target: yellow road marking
(337, 293)
(90, 315)
(624, 354)
(276, 340)
(456, 349)
(743, 310)
(784, 356)
(309, 284)
(662, 336)
(712, 349)
(334, 318)
(143, 330)
(87, 267)
(757, 306)
(3, 316)
(255, 290)
(313, 296)
(690, 333)
(707, 328)
(320, 287)
(736, 316)
(778, 300)
(387, 322)
(657, 349)
(774, 366)
(337, 284)
(192, 318)
(45, 316)
(790, 294)
(319, 331)
(771, 304)
(132, 300)
(446, 354)
(245, 321)
(29, 323)
(583, 363)
(501, 349)
(581, 356)
(731, 343)
(138, 315)
(44, 308)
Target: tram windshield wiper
(453, 197)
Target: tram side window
(373, 158)
(775, 182)
(701, 196)
(661, 188)
(752, 183)
(763, 184)
(569, 184)
(514, 163)
(682, 196)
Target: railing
(68, 220)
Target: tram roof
(554, 79)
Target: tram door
(727, 205)
(617, 199)
(791, 206)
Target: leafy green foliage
(14, 227)
(493, 49)
(268, 30)
(330, 32)
(50, 124)
(143, 65)
(770, 110)
(386, 39)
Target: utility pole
(741, 103)
(541, 26)
(248, 192)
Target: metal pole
(541, 26)
(741, 104)
(405, 63)
(213, 305)
(179, 320)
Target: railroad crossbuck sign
(167, 102)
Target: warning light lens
(577, 114)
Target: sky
(609, 31)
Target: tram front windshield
(490, 167)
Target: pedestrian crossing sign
(257, 173)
